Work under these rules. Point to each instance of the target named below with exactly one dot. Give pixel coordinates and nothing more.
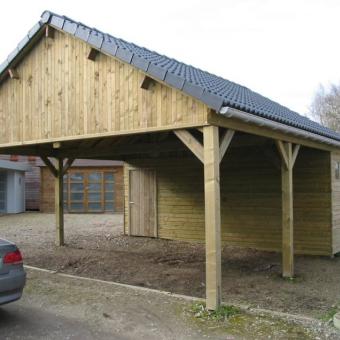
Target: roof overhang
(299, 136)
(16, 166)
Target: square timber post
(288, 157)
(212, 216)
(287, 214)
(59, 202)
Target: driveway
(55, 306)
(95, 247)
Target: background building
(90, 185)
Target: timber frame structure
(217, 159)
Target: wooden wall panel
(335, 158)
(250, 200)
(62, 94)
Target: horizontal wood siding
(250, 200)
(61, 94)
(335, 204)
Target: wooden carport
(70, 92)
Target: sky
(281, 49)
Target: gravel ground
(95, 247)
(58, 307)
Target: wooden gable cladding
(62, 94)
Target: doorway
(142, 202)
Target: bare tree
(325, 106)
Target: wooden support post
(288, 157)
(59, 203)
(212, 216)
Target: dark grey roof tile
(174, 80)
(139, 62)
(45, 17)
(12, 55)
(96, 39)
(156, 71)
(23, 42)
(193, 90)
(32, 32)
(212, 100)
(70, 26)
(124, 54)
(82, 32)
(57, 21)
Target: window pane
(109, 206)
(77, 206)
(65, 178)
(95, 206)
(77, 196)
(95, 196)
(77, 186)
(94, 187)
(76, 176)
(109, 176)
(95, 176)
(108, 186)
(109, 196)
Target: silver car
(12, 274)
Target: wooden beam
(92, 55)
(13, 73)
(147, 83)
(67, 165)
(225, 142)
(121, 150)
(212, 216)
(238, 125)
(49, 32)
(295, 153)
(49, 164)
(191, 142)
(282, 151)
(287, 210)
(59, 203)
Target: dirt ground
(95, 247)
(57, 307)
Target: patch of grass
(327, 316)
(221, 314)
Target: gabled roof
(214, 91)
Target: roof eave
(229, 112)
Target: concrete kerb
(246, 308)
(336, 320)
